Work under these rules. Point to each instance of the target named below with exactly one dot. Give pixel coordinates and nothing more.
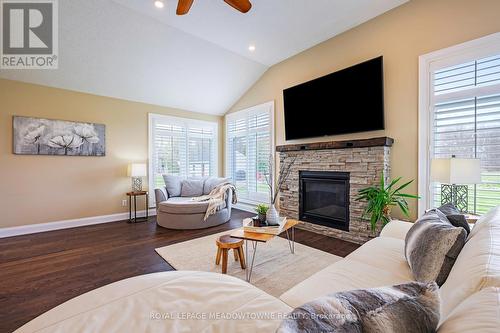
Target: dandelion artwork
(36, 136)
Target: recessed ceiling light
(159, 4)
(251, 48)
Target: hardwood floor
(40, 271)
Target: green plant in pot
(381, 198)
(262, 211)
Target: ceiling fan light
(251, 48)
(159, 4)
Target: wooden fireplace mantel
(361, 143)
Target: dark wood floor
(40, 271)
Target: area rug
(275, 271)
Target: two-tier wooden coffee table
(256, 238)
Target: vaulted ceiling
(199, 62)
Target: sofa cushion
(396, 229)
(173, 185)
(431, 247)
(478, 313)
(477, 266)
(411, 307)
(166, 302)
(211, 183)
(346, 274)
(192, 187)
(183, 205)
(385, 253)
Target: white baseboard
(65, 224)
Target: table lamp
(137, 171)
(452, 173)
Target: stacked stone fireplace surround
(364, 160)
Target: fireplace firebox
(324, 198)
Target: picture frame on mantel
(40, 136)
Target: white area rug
(275, 269)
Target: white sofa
(470, 297)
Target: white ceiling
(199, 62)
(278, 28)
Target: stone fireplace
(325, 180)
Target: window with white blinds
(249, 145)
(465, 122)
(183, 147)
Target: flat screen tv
(348, 101)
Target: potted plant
(381, 198)
(261, 212)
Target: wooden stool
(224, 244)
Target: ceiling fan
(242, 5)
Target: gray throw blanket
(216, 198)
(411, 308)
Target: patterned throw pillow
(412, 307)
(432, 245)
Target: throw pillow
(192, 187)
(454, 216)
(410, 307)
(449, 209)
(173, 185)
(211, 183)
(459, 221)
(431, 247)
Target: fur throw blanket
(216, 198)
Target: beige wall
(401, 36)
(37, 189)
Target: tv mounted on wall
(348, 101)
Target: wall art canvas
(37, 136)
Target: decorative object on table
(261, 210)
(226, 243)
(133, 196)
(256, 221)
(137, 171)
(249, 226)
(272, 216)
(453, 173)
(38, 136)
(382, 198)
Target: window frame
(428, 64)
(246, 204)
(186, 122)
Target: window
(182, 147)
(249, 145)
(463, 119)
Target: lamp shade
(137, 170)
(456, 170)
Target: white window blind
(249, 144)
(465, 122)
(182, 147)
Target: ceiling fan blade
(241, 5)
(183, 6)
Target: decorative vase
(272, 216)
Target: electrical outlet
(124, 203)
